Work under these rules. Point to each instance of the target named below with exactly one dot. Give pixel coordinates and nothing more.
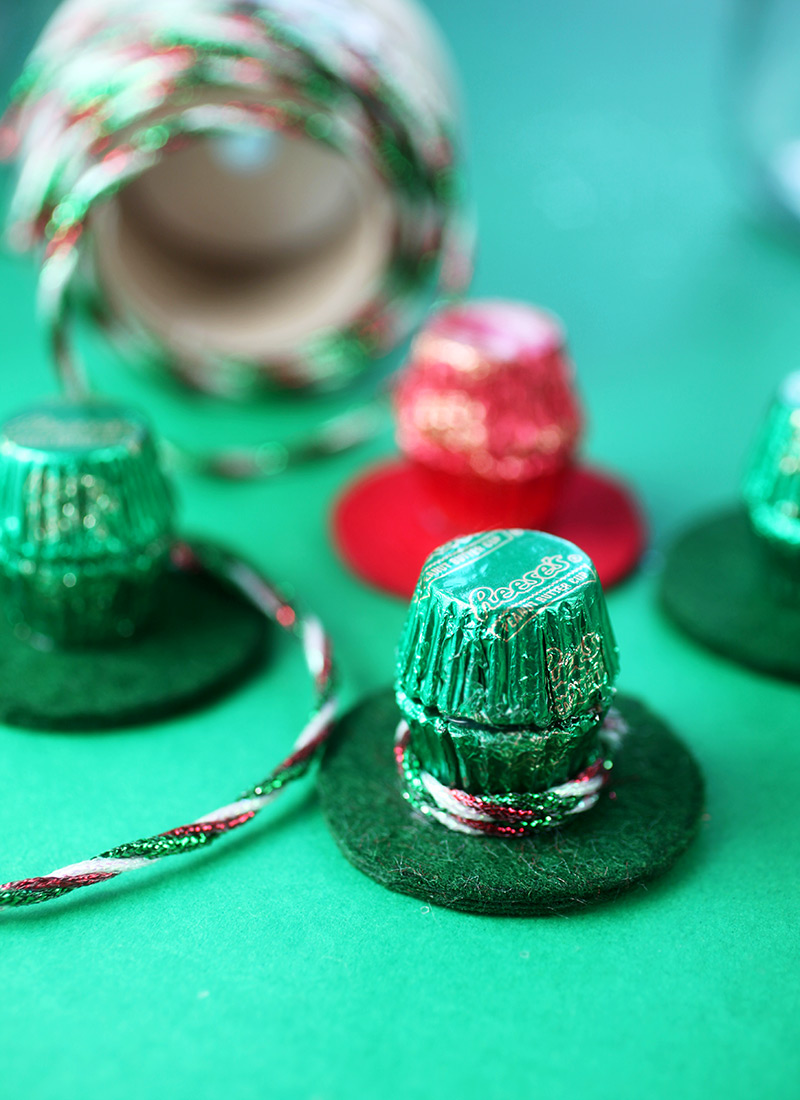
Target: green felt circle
(714, 587)
(202, 641)
(636, 831)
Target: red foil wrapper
(488, 395)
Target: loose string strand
(138, 854)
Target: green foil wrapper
(86, 521)
(772, 486)
(484, 759)
(507, 661)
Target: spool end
(488, 394)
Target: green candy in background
(87, 522)
(608, 190)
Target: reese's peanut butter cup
(489, 392)
(507, 643)
(87, 521)
(772, 484)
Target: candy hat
(733, 581)
(488, 424)
(99, 628)
(502, 774)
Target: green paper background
(608, 191)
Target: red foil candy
(489, 423)
(488, 393)
(487, 414)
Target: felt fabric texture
(644, 820)
(384, 527)
(714, 586)
(202, 641)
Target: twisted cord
(201, 832)
(507, 814)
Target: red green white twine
(204, 830)
(111, 88)
(509, 814)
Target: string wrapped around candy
(243, 195)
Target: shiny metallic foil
(86, 522)
(507, 662)
(488, 393)
(772, 491)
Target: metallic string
(247, 582)
(507, 814)
(111, 88)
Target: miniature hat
(733, 580)
(99, 629)
(488, 422)
(504, 731)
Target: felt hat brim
(643, 821)
(384, 529)
(714, 586)
(202, 641)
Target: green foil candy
(86, 522)
(507, 662)
(772, 487)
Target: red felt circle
(385, 525)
